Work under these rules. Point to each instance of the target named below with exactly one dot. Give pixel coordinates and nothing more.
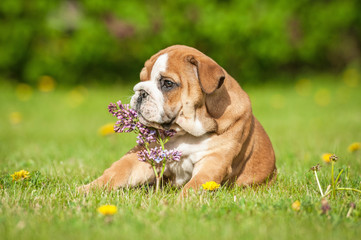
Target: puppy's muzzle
(142, 95)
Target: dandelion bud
(325, 206)
(316, 168)
(334, 158)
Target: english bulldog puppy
(220, 139)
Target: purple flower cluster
(149, 135)
(158, 155)
(146, 135)
(127, 117)
(167, 133)
(128, 121)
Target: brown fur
(239, 149)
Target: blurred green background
(63, 62)
(76, 42)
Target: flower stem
(318, 183)
(338, 176)
(160, 177)
(327, 190)
(154, 169)
(333, 180)
(349, 189)
(349, 212)
(343, 189)
(161, 142)
(157, 183)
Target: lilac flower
(159, 155)
(146, 135)
(153, 153)
(128, 121)
(127, 117)
(158, 159)
(173, 154)
(167, 133)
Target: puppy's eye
(167, 84)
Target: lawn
(57, 134)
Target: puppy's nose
(143, 94)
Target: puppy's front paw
(83, 189)
(187, 191)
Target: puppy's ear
(143, 74)
(210, 74)
(145, 70)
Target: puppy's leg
(126, 172)
(211, 168)
(261, 165)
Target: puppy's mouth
(168, 125)
(164, 125)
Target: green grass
(58, 136)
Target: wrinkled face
(157, 96)
(175, 84)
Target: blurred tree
(108, 41)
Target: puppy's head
(174, 85)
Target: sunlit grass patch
(58, 143)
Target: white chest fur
(193, 150)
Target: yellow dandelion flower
(296, 205)
(20, 175)
(277, 101)
(46, 84)
(23, 92)
(326, 157)
(323, 97)
(210, 186)
(76, 96)
(106, 129)
(303, 87)
(107, 209)
(351, 77)
(15, 118)
(354, 147)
